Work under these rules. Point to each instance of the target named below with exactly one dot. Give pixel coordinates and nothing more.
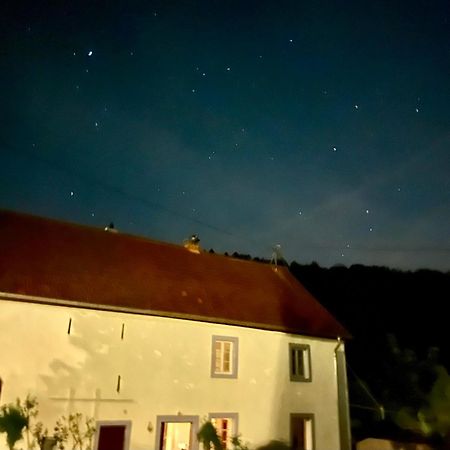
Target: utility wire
(380, 407)
(157, 206)
(112, 188)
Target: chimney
(111, 228)
(192, 244)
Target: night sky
(323, 127)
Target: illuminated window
(226, 427)
(300, 362)
(224, 357)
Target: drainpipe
(342, 393)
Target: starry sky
(319, 126)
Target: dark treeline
(374, 302)
(400, 334)
(400, 331)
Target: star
(90, 53)
(299, 213)
(356, 106)
(71, 193)
(334, 149)
(367, 211)
(417, 110)
(228, 69)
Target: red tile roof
(79, 265)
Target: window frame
(193, 420)
(234, 358)
(305, 351)
(227, 415)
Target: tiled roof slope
(91, 267)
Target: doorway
(112, 435)
(177, 433)
(302, 432)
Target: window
(176, 432)
(224, 357)
(226, 425)
(300, 362)
(302, 432)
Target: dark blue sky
(320, 126)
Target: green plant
(238, 444)
(13, 421)
(30, 411)
(81, 435)
(207, 435)
(60, 433)
(17, 419)
(40, 435)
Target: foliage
(16, 418)
(30, 411)
(76, 429)
(413, 391)
(40, 435)
(432, 417)
(12, 422)
(238, 444)
(207, 435)
(60, 433)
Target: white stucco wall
(164, 365)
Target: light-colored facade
(164, 366)
(151, 340)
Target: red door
(111, 437)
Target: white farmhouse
(151, 339)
